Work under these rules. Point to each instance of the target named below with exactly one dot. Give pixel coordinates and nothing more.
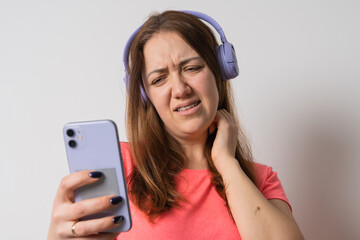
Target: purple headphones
(225, 53)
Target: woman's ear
(212, 128)
(213, 125)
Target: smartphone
(95, 145)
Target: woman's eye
(157, 80)
(192, 68)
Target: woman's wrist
(228, 167)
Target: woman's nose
(180, 88)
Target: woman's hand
(66, 213)
(223, 150)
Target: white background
(297, 96)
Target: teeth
(187, 107)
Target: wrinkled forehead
(166, 50)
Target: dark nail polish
(116, 200)
(118, 219)
(96, 174)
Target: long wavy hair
(158, 156)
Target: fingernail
(116, 200)
(118, 219)
(96, 174)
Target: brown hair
(157, 155)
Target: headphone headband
(225, 52)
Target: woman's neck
(195, 152)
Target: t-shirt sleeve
(269, 183)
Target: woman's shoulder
(126, 157)
(263, 174)
(261, 168)
(125, 148)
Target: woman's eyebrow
(182, 63)
(156, 71)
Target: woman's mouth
(180, 109)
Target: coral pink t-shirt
(204, 216)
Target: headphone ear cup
(226, 57)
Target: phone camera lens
(72, 144)
(70, 132)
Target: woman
(190, 172)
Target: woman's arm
(254, 215)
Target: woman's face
(180, 85)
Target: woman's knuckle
(80, 229)
(104, 202)
(80, 210)
(57, 216)
(64, 183)
(83, 229)
(61, 233)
